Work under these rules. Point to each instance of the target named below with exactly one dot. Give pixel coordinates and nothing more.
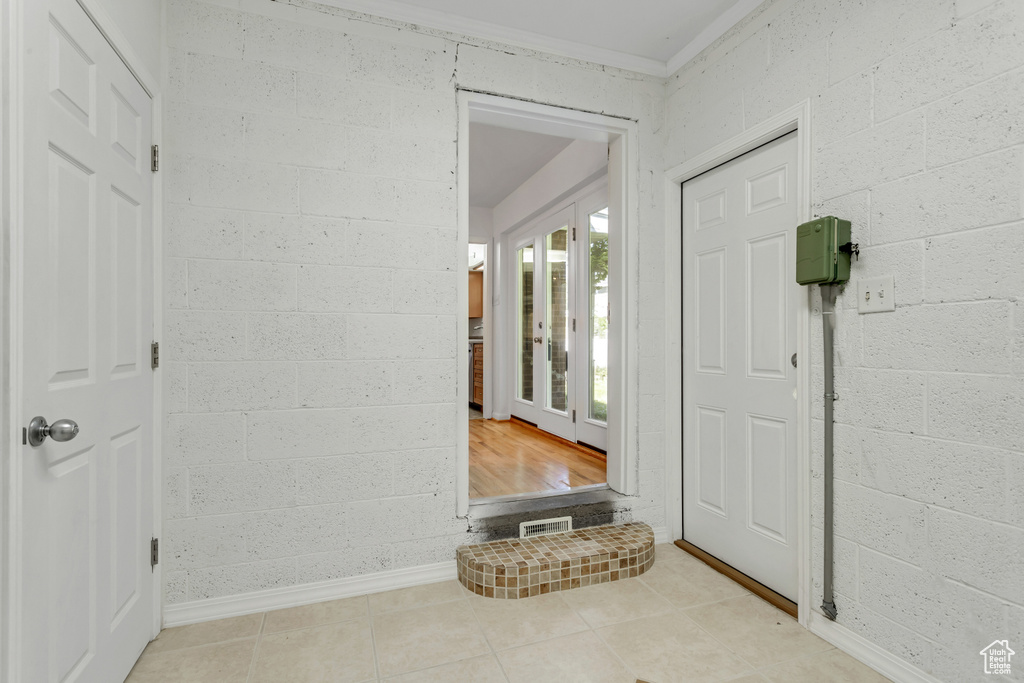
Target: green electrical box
(823, 250)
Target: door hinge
(154, 552)
(574, 234)
(574, 324)
(154, 355)
(154, 158)
(574, 417)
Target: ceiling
(649, 36)
(502, 159)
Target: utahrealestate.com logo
(997, 657)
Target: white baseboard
(860, 648)
(293, 596)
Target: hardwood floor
(510, 457)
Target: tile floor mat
(526, 567)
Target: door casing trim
(798, 119)
(12, 172)
(622, 136)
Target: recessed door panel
(126, 135)
(127, 265)
(72, 566)
(711, 210)
(767, 190)
(72, 76)
(711, 313)
(126, 503)
(767, 316)
(711, 459)
(767, 476)
(72, 287)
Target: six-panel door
(87, 322)
(739, 403)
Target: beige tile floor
(681, 621)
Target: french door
(561, 322)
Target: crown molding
(399, 11)
(715, 30)
(444, 21)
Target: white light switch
(876, 294)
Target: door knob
(538, 340)
(61, 430)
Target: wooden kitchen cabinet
(478, 374)
(476, 294)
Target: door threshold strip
(759, 589)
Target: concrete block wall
(311, 259)
(918, 138)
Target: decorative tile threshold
(523, 567)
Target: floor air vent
(540, 527)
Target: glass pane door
(598, 316)
(524, 323)
(556, 285)
(547, 282)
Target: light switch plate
(876, 294)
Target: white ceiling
(502, 159)
(650, 36)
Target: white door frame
(12, 229)
(796, 119)
(622, 136)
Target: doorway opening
(545, 195)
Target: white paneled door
(740, 303)
(85, 520)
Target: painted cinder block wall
(918, 138)
(311, 268)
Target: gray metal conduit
(828, 322)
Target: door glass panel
(524, 323)
(598, 315)
(557, 315)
